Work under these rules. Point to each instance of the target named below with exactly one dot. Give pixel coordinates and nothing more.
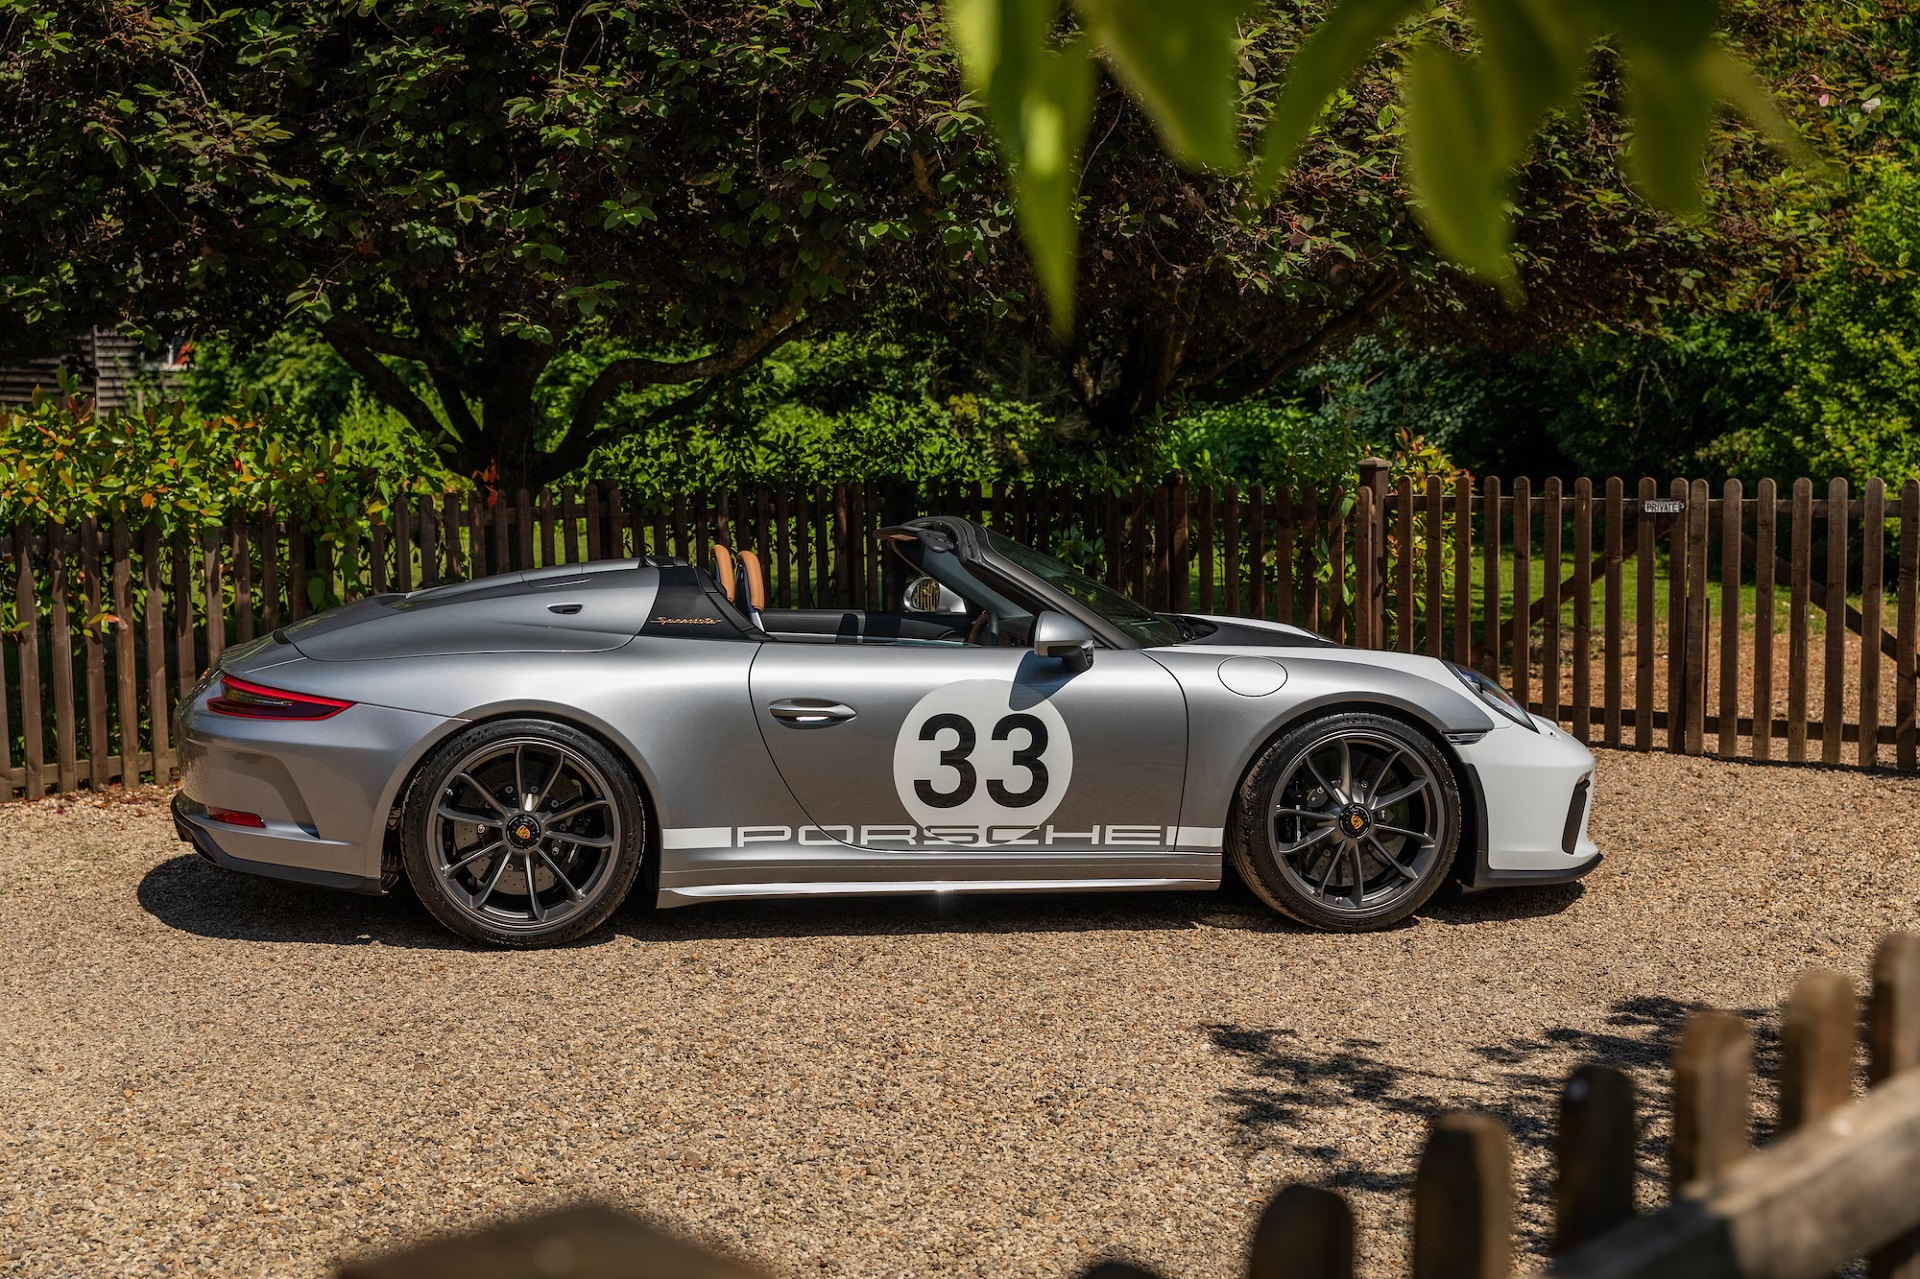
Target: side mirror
(927, 595)
(1057, 635)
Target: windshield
(1138, 621)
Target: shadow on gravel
(188, 894)
(1290, 1081)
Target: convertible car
(527, 748)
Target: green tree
(504, 216)
(477, 189)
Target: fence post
(1732, 509)
(1552, 517)
(1677, 546)
(1595, 1152)
(1893, 1019)
(1304, 1233)
(1908, 621)
(1766, 519)
(1374, 473)
(1799, 649)
(154, 611)
(1490, 575)
(26, 617)
(1463, 569)
(1893, 1047)
(1833, 710)
(1712, 1083)
(1366, 618)
(1698, 510)
(1816, 1048)
(1463, 1200)
(1403, 576)
(1873, 544)
(1520, 681)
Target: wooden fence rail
(1841, 1183)
(1596, 607)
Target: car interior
(943, 603)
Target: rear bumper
(322, 789)
(191, 824)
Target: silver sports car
(527, 747)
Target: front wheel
(1349, 822)
(523, 833)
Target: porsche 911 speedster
(527, 748)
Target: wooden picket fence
(1594, 606)
(1840, 1182)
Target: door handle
(809, 712)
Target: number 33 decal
(956, 758)
(980, 752)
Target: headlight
(1490, 692)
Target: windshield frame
(977, 549)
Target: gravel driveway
(208, 1073)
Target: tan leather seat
(754, 582)
(725, 573)
(740, 578)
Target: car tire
(1317, 843)
(523, 833)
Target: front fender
(1227, 731)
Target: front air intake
(1576, 814)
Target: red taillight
(256, 701)
(232, 818)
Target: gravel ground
(209, 1073)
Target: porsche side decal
(946, 837)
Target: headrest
(755, 581)
(725, 573)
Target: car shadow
(188, 894)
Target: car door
(946, 748)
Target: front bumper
(1530, 796)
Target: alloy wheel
(1357, 821)
(524, 835)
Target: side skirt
(895, 888)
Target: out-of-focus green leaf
(1053, 107)
(1672, 109)
(1451, 154)
(993, 35)
(1336, 49)
(1038, 99)
(1535, 52)
(1735, 83)
(1178, 60)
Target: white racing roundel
(983, 753)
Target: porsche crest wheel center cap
(1354, 820)
(523, 831)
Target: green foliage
(1849, 360)
(64, 462)
(1825, 382)
(1472, 113)
(475, 188)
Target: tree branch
(386, 384)
(445, 369)
(373, 340)
(1346, 322)
(780, 328)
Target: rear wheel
(523, 833)
(1349, 822)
